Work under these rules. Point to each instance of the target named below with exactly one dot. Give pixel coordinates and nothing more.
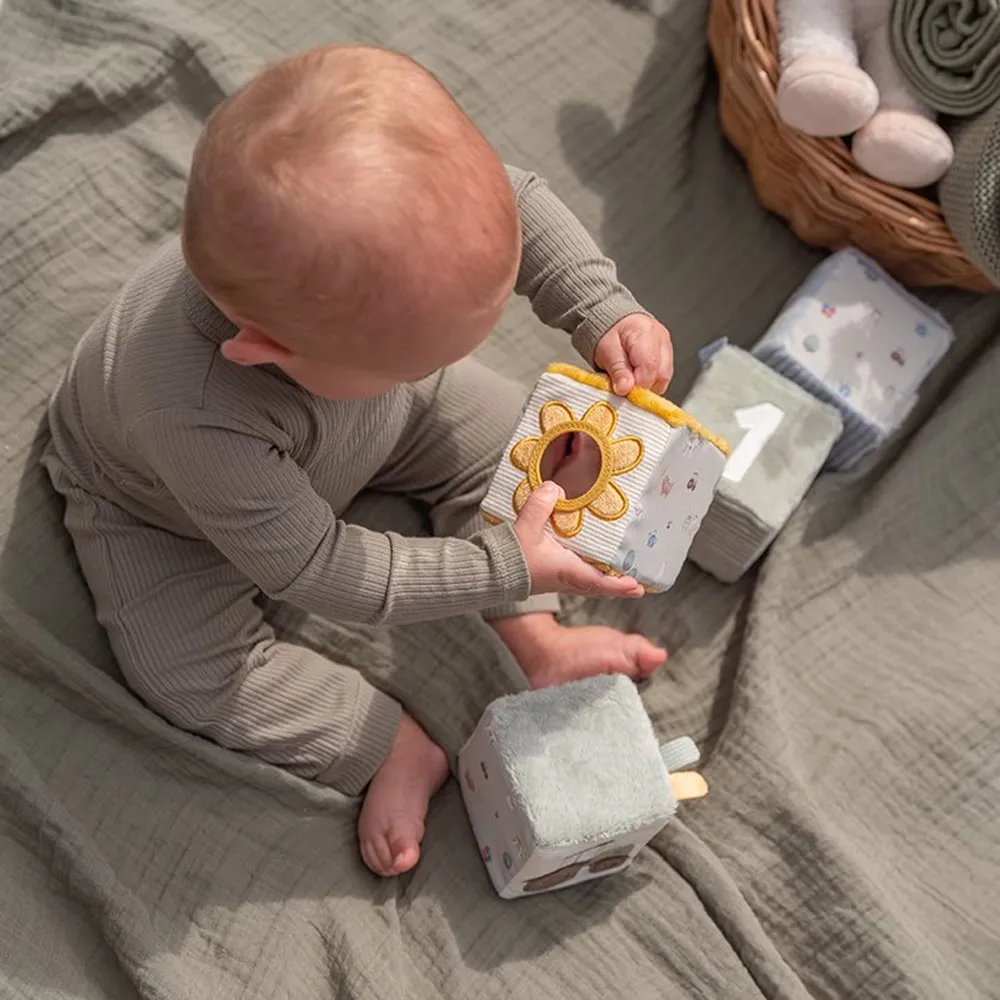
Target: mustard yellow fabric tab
(645, 400)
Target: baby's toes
(377, 855)
(405, 853)
(645, 656)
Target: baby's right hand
(553, 567)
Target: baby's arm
(572, 285)
(245, 493)
(257, 506)
(459, 425)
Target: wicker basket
(814, 183)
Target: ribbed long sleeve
(257, 506)
(571, 284)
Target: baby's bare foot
(391, 825)
(550, 653)
(574, 653)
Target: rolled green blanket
(949, 52)
(970, 191)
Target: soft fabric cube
(566, 784)
(654, 471)
(782, 437)
(856, 339)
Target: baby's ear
(251, 347)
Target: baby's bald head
(342, 199)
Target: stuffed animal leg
(901, 143)
(822, 89)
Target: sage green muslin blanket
(949, 52)
(846, 697)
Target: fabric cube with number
(781, 438)
(856, 339)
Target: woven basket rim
(814, 183)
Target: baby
(349, 238)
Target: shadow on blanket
(668, 161)
(38, 568)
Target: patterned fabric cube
(856, 339)
(566, 784)
(782, 437)
(638, 473)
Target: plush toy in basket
(637, 472)
(838, 77)
(816, 185)
(566, 784)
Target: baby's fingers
(583, 579)
(644, 357)
(537, 510)
(665, 369)
(612, 357)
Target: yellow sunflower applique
(618, 455)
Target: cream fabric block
(856, 339)
(632, 513)
(656, 541)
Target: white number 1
(759, 422)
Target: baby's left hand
(636, 351)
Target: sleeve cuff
(508, 559)
(600, 319)
(539, 604)
(376, 723)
